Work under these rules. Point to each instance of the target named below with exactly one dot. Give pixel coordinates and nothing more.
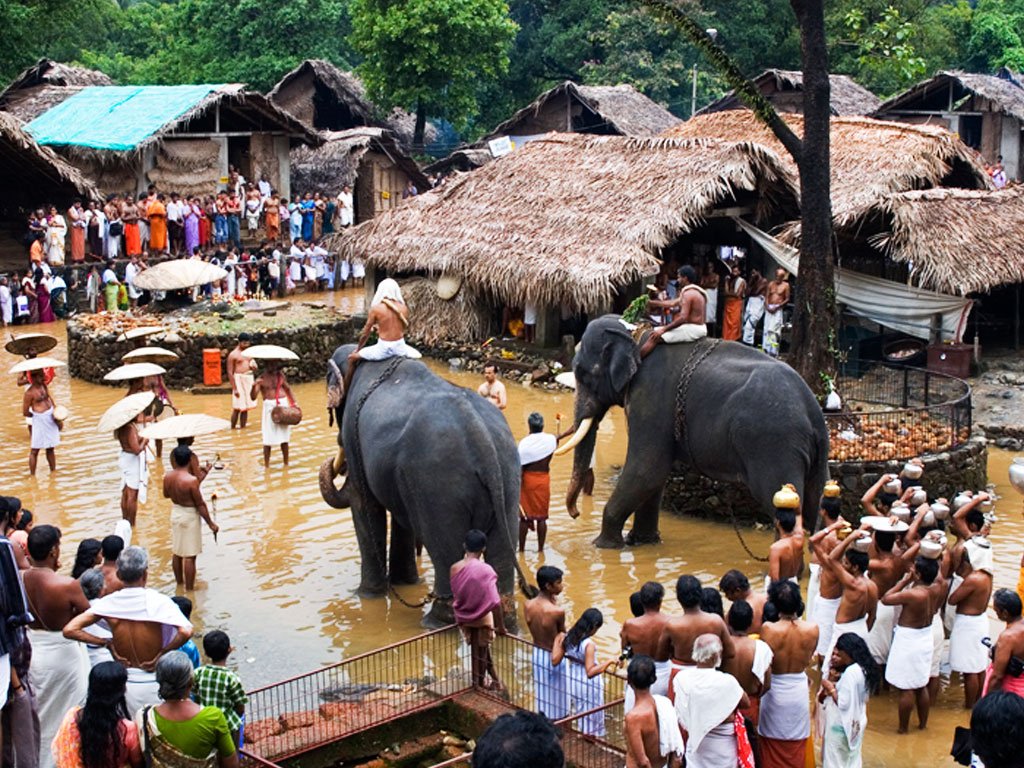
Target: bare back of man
(545, 620)
(136, 643)
(390, 318)
(885, 569)
(786, 557)
(643, 747)
(741, 666)
(972, 596)
(792, 642)
(189, 508)
(53, 599)
(829, 585)
(643, 634)
(679, 633)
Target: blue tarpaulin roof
(117, 118)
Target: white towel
(670, 739)
(274, 434)
(859, 627)
(813, 588)
(45, 432)
(880, 637)
(910, 659)
(966, 651)
(824, 615)
(763, 655)
(536, 446)
(785, 708)
(550, 696)
(938, 642)
(141, 691)
(705, 699)
(142, 604)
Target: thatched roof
(462, 160)
(29, 169)
(128, 119)
(569, 218)
(433, 319)
(45, 85)
(336, 161)
(611, 110)
(846, 98)
(870, 158)
(953, 91)
(955, 240)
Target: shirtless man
(535, 453)
(824, 589)
(885, 568)
(239, 369)
(751, 666)
(273, 386)
(1008, 662)
(784, 723)
(735, 586)
(786, 555)
(389, 315)
(777, 298)
(910, 659)
(689, 309)
(967, 654)
(546, 619)
(754, 310)
(643, 722)
(139, 619)
(38, 406)
(493, 389)
(134, 470)
(59, 672)
(641, 635)
(877, 500)
(187, 507)
(857, 604)
(679, 632)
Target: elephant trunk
(582, 443)
(338, 498)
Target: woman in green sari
(110, 287)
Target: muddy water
(281, 577)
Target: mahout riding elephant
(440, 458)
(729, 411)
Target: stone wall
(90, 356)
(946, 473)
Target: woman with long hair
(100, 734)
(583, 678)
(853, 676)
(87, 556)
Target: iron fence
(896, 412)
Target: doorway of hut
(239, 156)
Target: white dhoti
(241, 393)
(186, 531)
(384, 350)
(344, 270)
(751, 317)
(550, 698)
(685, 332)
(859, 627)
(274, 434)
(949, 611)
(813, 588)
(45, 432)
(824, 616)
(966, 651)
(141, 691)
(134, 469)
(785, 708)
(772, 332)
(711, 306)
(910, 659)
(880, 637)
(938, 641)
(663, 671)
(716, 750)
(59, 678)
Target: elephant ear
(621, 358)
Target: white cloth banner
(894, 305)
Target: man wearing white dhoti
(967, 653)
(273, 385)
(777, 298)
(240, 376)
(38, 405)
(825, 590)
(134, 469)
(144, 623)
(59, 672)
(546, 620)
(754, 310)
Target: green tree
(431, 56)
(997, 35)
(887, 58)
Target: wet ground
(281, 578)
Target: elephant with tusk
(724, 409)
(440, 458)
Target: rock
(1007, 394)
(455, 363)
(1008, 443)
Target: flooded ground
(280, 580)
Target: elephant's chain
(361, 472)
(703, 348)
(743, 543)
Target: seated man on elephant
(688, 309)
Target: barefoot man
(688, 310)
(640, 637)
(651, 720)
(535, 452)
(967, 654)
(240, 370)
(134, 469)
(786, 555)
(859, 598)
(37, 405)
(275, 390)
(187, 507)
(546, 619)
(477, 606)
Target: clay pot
(940, 510)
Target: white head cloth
(388, 289)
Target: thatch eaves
(618, 110)
(846, 97)
(336, 161)
(45, 85)
(461, 161)
(28, 168)
(954, 91)
(869, 158)
(568, 218)
(954, 240)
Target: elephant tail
(495, 485)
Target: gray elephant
(730, 412)
(442, 459)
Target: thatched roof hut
(44, 85)
(610, 110)
(570, 219)
(461, 161)
(953, 240)
(785, 90)
(28, 168)
(870, 158)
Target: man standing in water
(546, 619)
(493, 389)
(786, 556)
(275, 390)
(967, 653)
(134, 470)
(680, 632)
(477, 606)
(535, 452)
(37, 405)
(857, 604)
(187, 507)
(239, 371)
(640, 636)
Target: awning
(900, 307)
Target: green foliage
(997, 34)
(637, 309)
(885, 52)
(431, 55)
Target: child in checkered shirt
(214, 685)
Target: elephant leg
(645, 521)
(402, 556)
(639, 487)
(370, 521)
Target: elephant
(744, 417)
(441, 458)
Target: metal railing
(896, 412)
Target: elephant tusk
(339, 459)
(577, 438)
